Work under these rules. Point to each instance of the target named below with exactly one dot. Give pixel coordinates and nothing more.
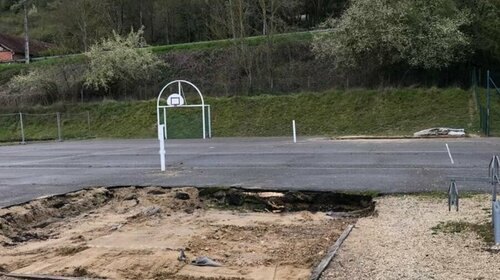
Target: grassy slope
(305, 36)
(333, 113)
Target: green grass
(337, 113)
(305, 36)
(483, 230)
(440, 195)
(332, 113)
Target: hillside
(330, 113)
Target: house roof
(16, 44)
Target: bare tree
(24, 4)
(26, 34)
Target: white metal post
(294, 132)
(22, 128)
(496, 221)
(58, 117)
(209, 123)
(165, 122)
(203, 119)
(161, 138)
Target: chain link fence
(25, 127)
(487, 95)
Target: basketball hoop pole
(178, 100)
(161, 138)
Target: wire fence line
(22, 127)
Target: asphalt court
(388, 166)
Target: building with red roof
(12, 48)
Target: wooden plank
(332, 251)
(44, 277)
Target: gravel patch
(399, 242)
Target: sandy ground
(399, 242)
(136, 234)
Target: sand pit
(136, 233)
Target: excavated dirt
(136, 233)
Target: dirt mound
(291, 201)
(32, 220)
(136, 233)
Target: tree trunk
(26, 36)
(241, 18)
(263, 7)
(140, 14)
(122, 15)
(231, 13)
(152, 19)
(83, 28)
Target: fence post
(481, 117)
(58, 115)
(496, 221)
(488, 103)
(485, 120)
(22, 128)
(88, 120)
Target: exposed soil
(416, 237)
(136, 233)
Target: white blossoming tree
(421, 33)
(120, 59)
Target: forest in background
(74, 25)
(365, 44)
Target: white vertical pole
(158, 120)
(58, 117)
(22, 128)
(165, 121)
(294, 132)
(209, 123)
(203, 120)
(161, 138)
